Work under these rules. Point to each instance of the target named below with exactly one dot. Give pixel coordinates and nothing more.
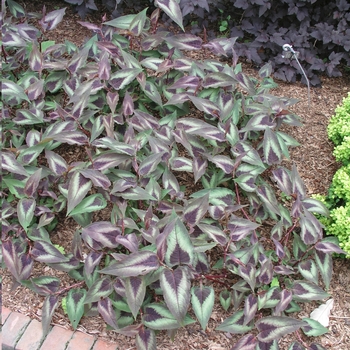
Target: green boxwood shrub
(338, 198)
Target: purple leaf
(10, 163)
(97, 178)
(135, 290)
(286, 297)
(329, 248)
(101, 288)
(234, 324)
(105, 308)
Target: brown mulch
(316, 165)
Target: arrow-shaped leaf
(75, 305)
(202, 300)
(176, 291)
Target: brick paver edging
(19, 332)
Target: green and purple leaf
(274, 327)
(176, 291)
(158, 317)
(75, 306)
(179, 246)
(234, 324)
(135, 264)
(146, 339)
(48, 309)
(135, 290)
(202, 300)
(172, 9)
(25, 211)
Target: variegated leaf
(146, 339)
(313, 328)
(234, 324)
(215, 80)
(25, 211)
(250, 308)
(306, 291)
(97, 178)
(78, 187)
(272, 150)
(158, 317)
(123, 77)
(195, 210)
(105, 308)
(214, 232)
(109, 160)
(324, 263)
(225, 298)
(48, 309)
(45, 252)
(247, 342)
(75, 306)
(223, 162)
(239, 227)
(205, 106)
(286, 297)
(202, 300)
(134, 264)
(308, 270)
(90, 204)
(20, 265)
(172, 9)
(135, 290)
(103, 232)
(10, 163)
(176, 291)
(329, 248)
(149, 164)
(274, 327)
(180, 249)
(32, 183)
(102, 288)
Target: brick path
(19, 332)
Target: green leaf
(225, 299)
(75, 306)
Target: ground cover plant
(338, 198)
(317, 29)
(125, 100)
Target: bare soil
(315, 164)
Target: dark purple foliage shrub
(143, 114)
(318, 29)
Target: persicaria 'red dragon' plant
(142, 114)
